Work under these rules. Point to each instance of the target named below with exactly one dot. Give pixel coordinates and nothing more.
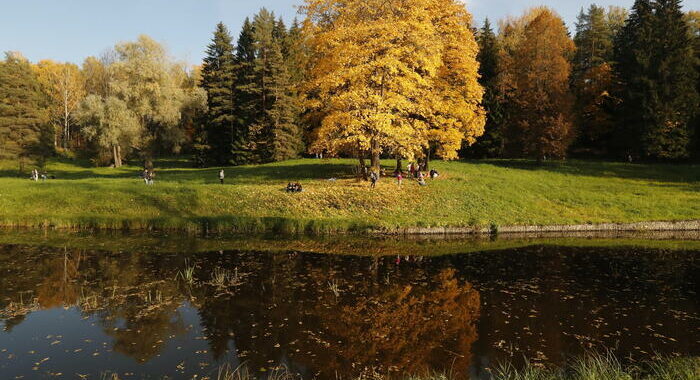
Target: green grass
(592, 367)
(479, 193)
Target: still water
(179, 313)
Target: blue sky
(70, 30)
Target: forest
(368, 79)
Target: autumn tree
(139, 81)
(23, 116)
(535, 76)
(96, 76)
(396, 77)
(64, 87)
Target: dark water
(79, 313)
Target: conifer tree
(592, 78)
(655, 66)
(24, 131)
(246, 86)
(677, 99)
(491, 143)
(267, 95)
(219, 142)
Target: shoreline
(324, 228)
(683, 225)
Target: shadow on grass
(652, 172)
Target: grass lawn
(475, 193)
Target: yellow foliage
(393, 76)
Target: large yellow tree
(392, 76)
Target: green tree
(220, 141)
(656, 65)
(245, 87)
(143, 77)
(24, 130)
(268, 106)
(592, 77)
(111, 125)
(492, 142)
(693, 18)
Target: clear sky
(70, 30)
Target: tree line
(369, 79)
(626, 86)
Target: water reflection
(323, 316)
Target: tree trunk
(116, 155)
(399, 165)
(426, 160)
(374, 151)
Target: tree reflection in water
(279, 308)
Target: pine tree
(655, 66)
(676, 99)
(24, 130)
(268, 105)
(219, 142)
(694, 24)
(246, 88)
(592, 78)
(491, 143)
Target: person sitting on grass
(434, 174)
(294, 187)
(421, 179)
(151, 177)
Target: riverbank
(593, 367)
(468, 197)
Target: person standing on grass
(399, 178)
(221, 176)
(373, 179)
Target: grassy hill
(477, 193)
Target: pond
(142, 307)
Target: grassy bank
(115, 241)
(468, 194)
(593, 367)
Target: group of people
(148, 175)
(414, 170)
(35, 176)
(294, 187)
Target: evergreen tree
(269, 105)
(24, 131)
(656, 65)
(694, 24)
(491, 143)
(220, 141)
(246, 89)
(592, 78)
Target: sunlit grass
(591, 367)
(485, 194)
